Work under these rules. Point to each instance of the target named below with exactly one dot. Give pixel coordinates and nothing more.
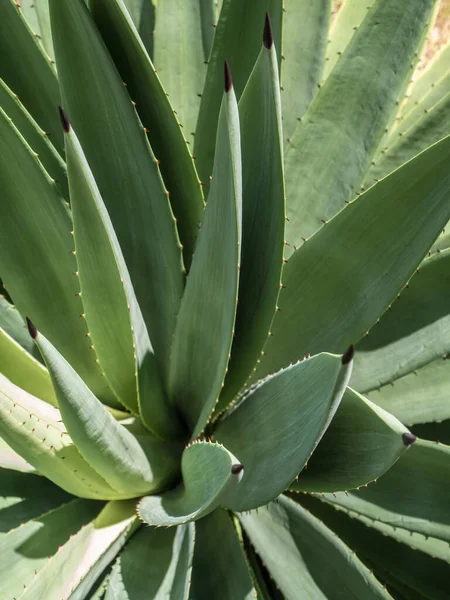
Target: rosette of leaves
(177, 421)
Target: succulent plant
(176, 419)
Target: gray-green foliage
(177, 421)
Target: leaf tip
(228, 78)
(348, 355)
(64, 119)
(31, 329)
(236, 469)
(408, 438)
(268, 35)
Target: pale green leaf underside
(37, 14)
(305, 558)
(11, 460)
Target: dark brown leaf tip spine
(268, 35)
(228, 78)
(64, 119)
(236, 469)
(32, 329)
(408, 438)
(348, 355)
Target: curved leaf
(11, 460)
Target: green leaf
(305, 558)
(156, 564)
(114, 318)
(362, 442)
(35, 137)
(238, 41)
(129, 182)
(437, 432)
(305, 36)
(210, 474)
(333, 145)
(389, 558)
(25, 497)
(13, 325)
(37, 14)
(157, 115)
(414, 332)
(265, 431)
(28, 71)
(406, 210)
(11, 460)
(24, 370)
(26, 549)
(179, 57)
(36, 255)
(126, 463)
(208, 16)
(219, 570)
(35, 431)
(204, 330)
(142, 13)
(263, 219)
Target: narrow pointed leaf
(265, 431)
(204, 330)
(156, 564)
(263, 219)
(406, 210)
(349, 114)
(361, 443)
(157, 115)
(14, 325)
(238, 41)
(208, 16)
(210, 474)
(129, 182)
(28, 73)
(115, 321)
(37, 14)
(24, 370)
(306, 559)
(35, 431)
(217, 548)
(414, 332)
(36, 255)
(35, 136)
(130, 467)
(305, 36)
(142, 13)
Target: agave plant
(177, 421)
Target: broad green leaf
(238, 41)
(13, 325)
(36, 255)
(38, 140)
(26, 549)
(413, 495)
(276, 425)
(34, 430)
(414, 332)
(210, 475)
(37, 14)
(28, 72)
(343, 279)
(333, 145)
(129, 182)
(437, 432)
(205, 323)
(25, 497)
(219, 569)
(305, 558)
(114, 318)
(263, 218)
(130, 465)
(350, 16)
(179, 57)
(11, 460)
(24, 370)
(157, 115)
(156, 564)
(425, 575)
(142, 13)
(361, 443)
(418, 397)
(305, 35)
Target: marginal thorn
(64, 119)
(348, 355)
(32, 329)
(268, 35)
(228, 78)
(408, 438)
